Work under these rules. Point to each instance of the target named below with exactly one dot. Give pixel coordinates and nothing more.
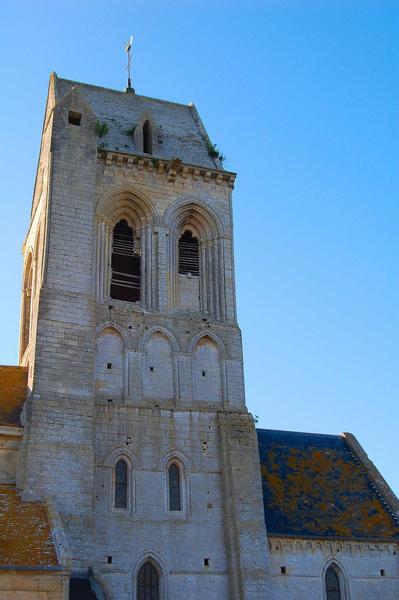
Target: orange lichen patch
(313, 486)
(25, 536)
(13, 390)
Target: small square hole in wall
(109, 365)
(109, 560)
(382, 572)
(206, 562)
(283, 570)
(74, 117)
(203, 374)
(152, 369)
(109, 400)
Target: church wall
(178, 542)
(81, 413)
(360, 564)
(59, 410)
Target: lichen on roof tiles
(13, 390)
(25, 536)
(314, 487)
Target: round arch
(126, 202)
(186, 211)
(115, 205)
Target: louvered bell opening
(125, 280)
(188, 254)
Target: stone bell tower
(136, 426)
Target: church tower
(136, 427)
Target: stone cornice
(171, 169)
(283, 545)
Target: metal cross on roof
(128, 47)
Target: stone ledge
(166, 168)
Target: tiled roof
(25, 536)
(13, 389)
(313, 486)
(177, 133)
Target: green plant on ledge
(131, 130)
(101, 129)
(214, 151)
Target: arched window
(333, 589)
(147, 137)
(26, 305)
(188, 254)
(148, 582)
(121, 484)
(174, 486)
(125, 264)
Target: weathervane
(128, 47)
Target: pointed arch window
(174, 487)
(188, 254)
(125, 264)
(147, 137)
(121, 484)
(27, 305)
(333, 588)
(148, 582)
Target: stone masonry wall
(360, 564)
(88, 409)
(28, 585)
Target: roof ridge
(331, 435)
(121, 92)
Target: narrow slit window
(147, 137)
(27, 306)
(148, 582)
(125, 264)
(121, 484)
(188, 254)
(174, 488)
(333, 590)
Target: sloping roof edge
(385, 491)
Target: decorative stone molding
(170, 169)
(282, 545)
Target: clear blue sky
(302, 96)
